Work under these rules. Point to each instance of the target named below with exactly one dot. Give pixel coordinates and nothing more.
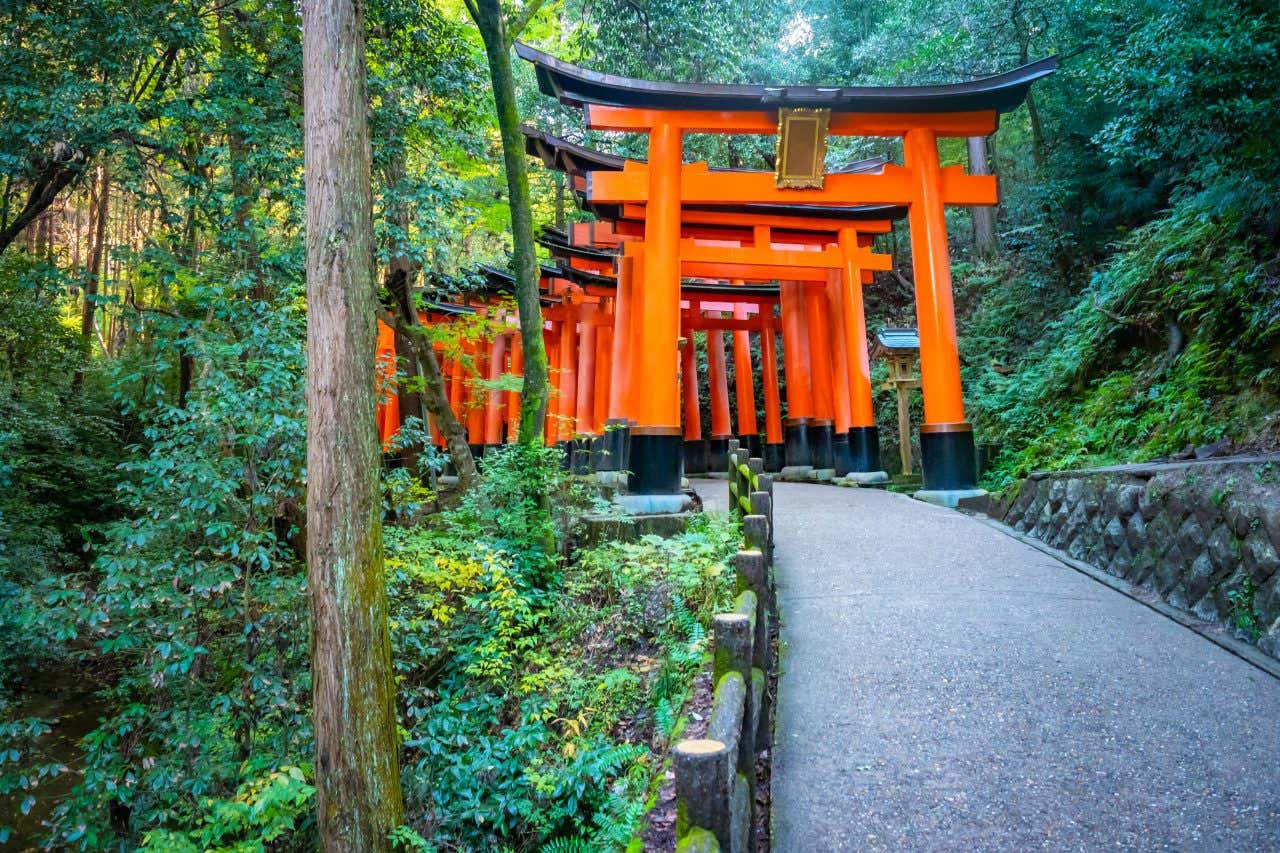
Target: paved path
(945, 687)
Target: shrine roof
(860, 213)
(687, 286)
(564, 156)
(578, 86)
(897, 341)
(558, 243)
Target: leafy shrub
(532, 710)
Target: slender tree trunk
(358, 799)
(436, 398)
(533, 402)
(88, 303)
(560, 200)
(399, 284)
(244, 240)
(1037, 132)
(984, 217)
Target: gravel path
(945, 687)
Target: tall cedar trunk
(984, 217)
(88, 305)
(357, 769)
(533, 401)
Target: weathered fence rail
(716, 775)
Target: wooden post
(704, 778)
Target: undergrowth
(1174, 342)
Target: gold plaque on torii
(802, 148)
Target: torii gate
(918, 115)
(770, 235)
(810, 440)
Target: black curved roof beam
(577, 160)
(578, 87)
(559, 246)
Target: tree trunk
(984, 217)
(533, 401)
(436, 398)
(358, 801)
(244, 240)
(88, 304)
(1037, 133)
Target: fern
(568, 844)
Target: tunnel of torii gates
(680, 247)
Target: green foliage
(1241, 609)
(195, 600)
(57, 456)
(1102, 385)
(531, 700)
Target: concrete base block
(867, 478)
(602, 529)
(448, 480)
(824, 475)
(654, 504)
(796, 473)
(612, 479)
(950, 498)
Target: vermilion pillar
(946, 439)
(821, 425)
(475, 399)
(586, 396)
(795, 361)
(695, 447)
(613, 445)
(513, 397)
(655, 440)
(551, 423)
(718, 399)
(584, 410)
(774, 449)
(864, 437)
(839, 373)
(568, 380)
(744, 384)
(603, 373)
(493, 410)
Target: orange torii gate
(814, 438)
(766, 229)
(802, 117)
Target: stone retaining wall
(1203, 535)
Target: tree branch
(516, 25)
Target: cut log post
(753, 574)
(766, 484)
(761, 724)
(728, 715)
(733, 638)
(755, 530)
(704, 771)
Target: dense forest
(154, 633)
